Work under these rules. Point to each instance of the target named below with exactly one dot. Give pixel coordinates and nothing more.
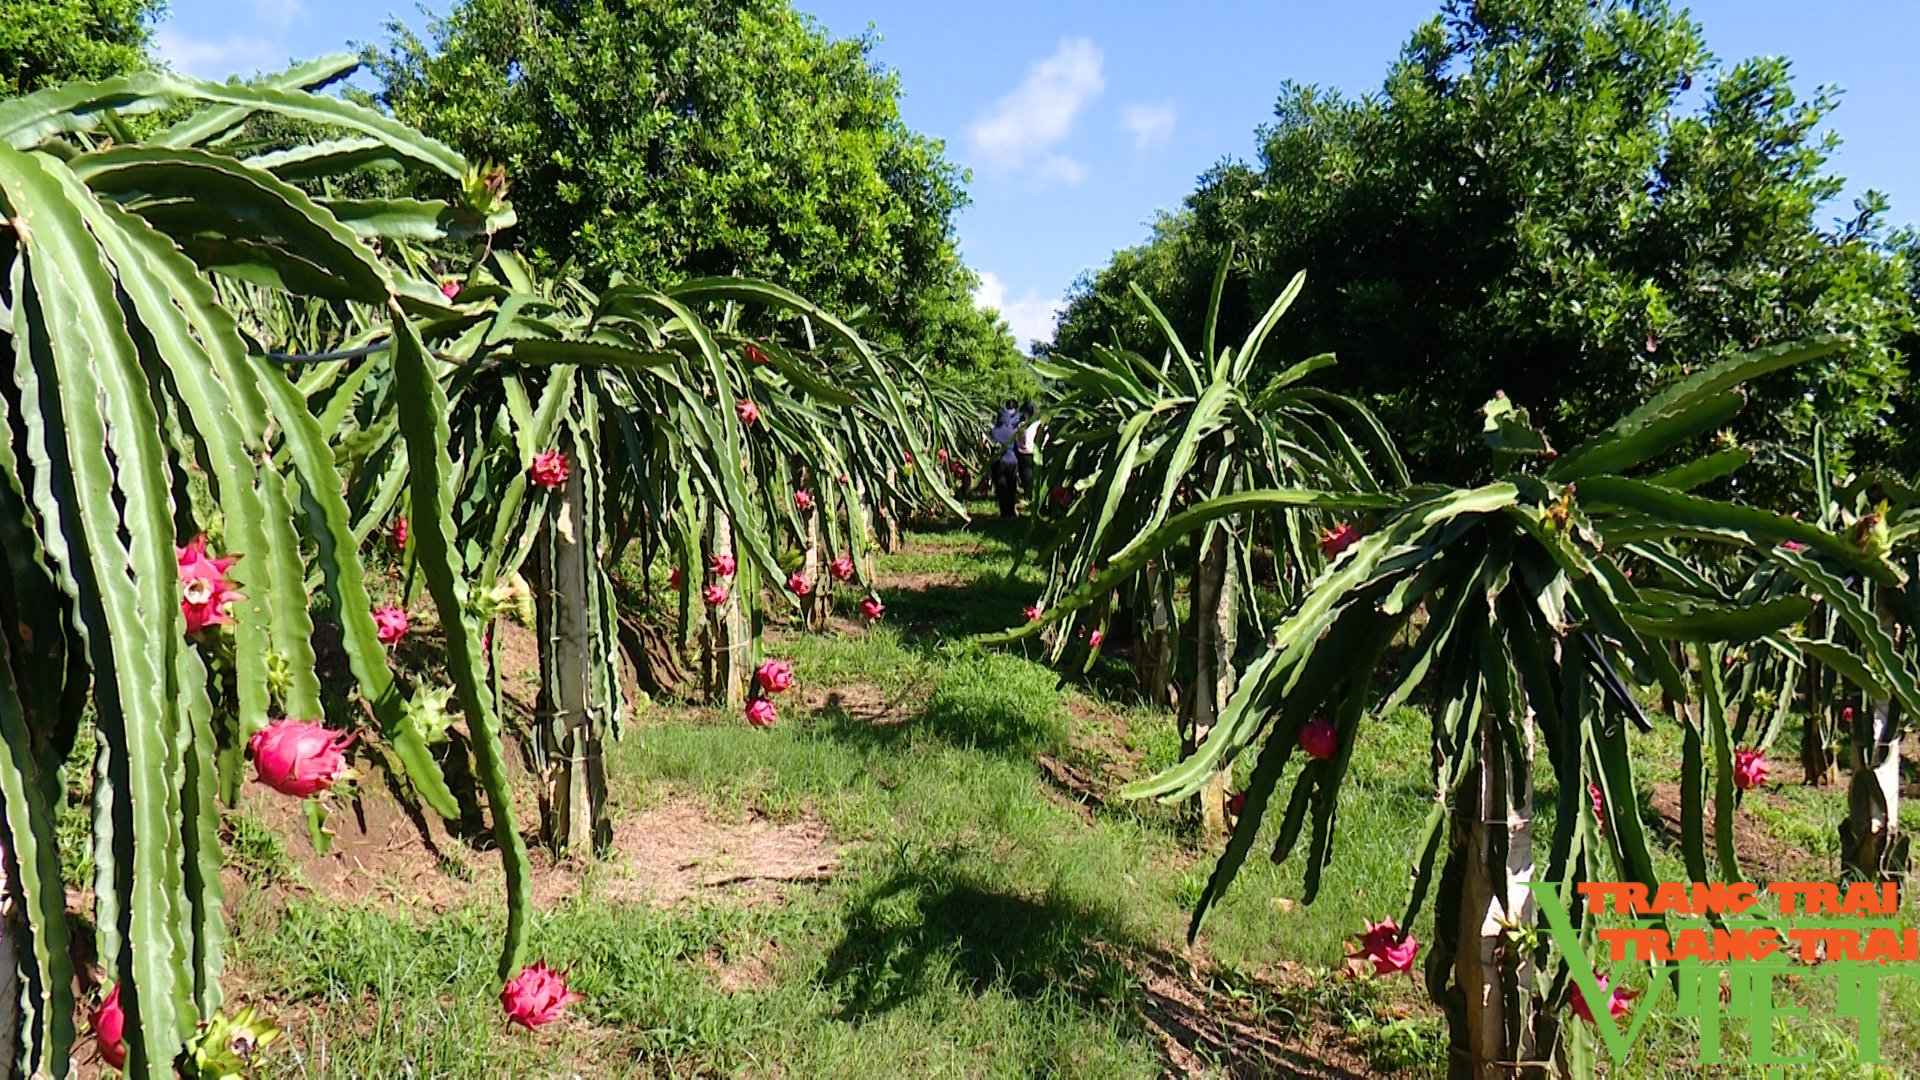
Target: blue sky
(1080, 119)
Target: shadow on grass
(1113, 679)
(986, 524)
(930, 616)
(992, 727)
(931, 927)
(930, 619)
(937, 614)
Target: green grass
(73, 831)
(259, 853)
(983, 923)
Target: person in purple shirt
(1005, 470)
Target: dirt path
(680, 854)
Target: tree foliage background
(43, 42)
(1568, 201)
(682, 138)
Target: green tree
(1534, 203)
(1174, 266)
(43, 42)
(973, 348)
(686, 138)
(1898, 443)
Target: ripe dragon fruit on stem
(1619, 1001)
(1386, 949)
(537, 996)
(390, 624)
(1338, 539)
(109, 1022)
(761, 712)
(298, 757)
(774, 676)
(1319, 739)
(549, 469)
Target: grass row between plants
(985, 919)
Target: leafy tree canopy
(1898, 443)
(975, 347)
(680, 138)
(43, 42)
(1568, 201)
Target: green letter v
(1586, 982)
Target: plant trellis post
(1214, 625)
(1872, 846)
(570, 709)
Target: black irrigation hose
(1610, 679)
(325, 357)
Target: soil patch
(518, 654)
(1204, 1032)
(740, 973)
(669, 854)
(1103, 736)
(383, 854)
(861, 702)
(1761, 853)
(845, 627)
(1072, 786)
(925, 580)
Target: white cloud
(1019, 132)
(1030, 318)
(1151, 125)
(240, 38)
(238, 54)
(281, 13)
(1064, 169)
